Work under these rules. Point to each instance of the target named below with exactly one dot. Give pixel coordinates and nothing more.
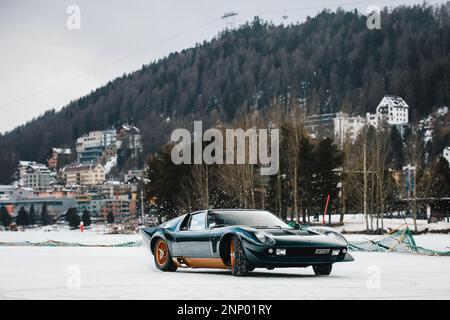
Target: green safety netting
(399, 240)
(52, 243)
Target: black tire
(163, 258)
(322, 269)
(238, 261)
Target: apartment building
(91, 202)
(129, 141)
(337, 126)
(34, 175)
(59, 157)
(97, 146)
(86, 174)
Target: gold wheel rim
(232, 254)
(161, 253)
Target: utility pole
(365, 182)
(410, 181)
(414, 198)
(279, 193)
(142, 203)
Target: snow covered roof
(393, 101)
(34, 166)
(128, 127)
(7, 187)
(81, 166)
(27, 163)
(112, 182)
(62, 151)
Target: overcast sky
(44, 64)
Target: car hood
(301, 237)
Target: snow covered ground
(88, 237)
(112, 162)
(129, 273)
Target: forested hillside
(331, 60)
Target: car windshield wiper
(265, 227)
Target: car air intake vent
(308, 252)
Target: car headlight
(336, 236)
(265, 238)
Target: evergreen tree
(328, 160)
(32, 216)
(396, 154)
(438, 179)
(22, 217)
(86, 218)
(5, 216)
(110, 217)
(73, 218)
(68, 215)
(167, 181)
(45, 217)
(307, 163)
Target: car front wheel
(238, 261)
(322, 269)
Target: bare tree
(293, 131)
(201, 184)
(358, 173)
(415, 156)
(382, 172)
(241, 178)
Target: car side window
(197, 222)
(214, 220)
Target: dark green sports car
(242, 240)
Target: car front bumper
(296, 256)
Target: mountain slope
(330, 60)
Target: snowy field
(129, 273)
(95, 236)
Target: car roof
(238, 209)
(235, 210)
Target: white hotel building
(393, 109)
(96, 139)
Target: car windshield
(172, 223)
(251, 218)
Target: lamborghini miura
(242, 240)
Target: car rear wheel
(238, 261)
(163, 258)
(322, 269)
